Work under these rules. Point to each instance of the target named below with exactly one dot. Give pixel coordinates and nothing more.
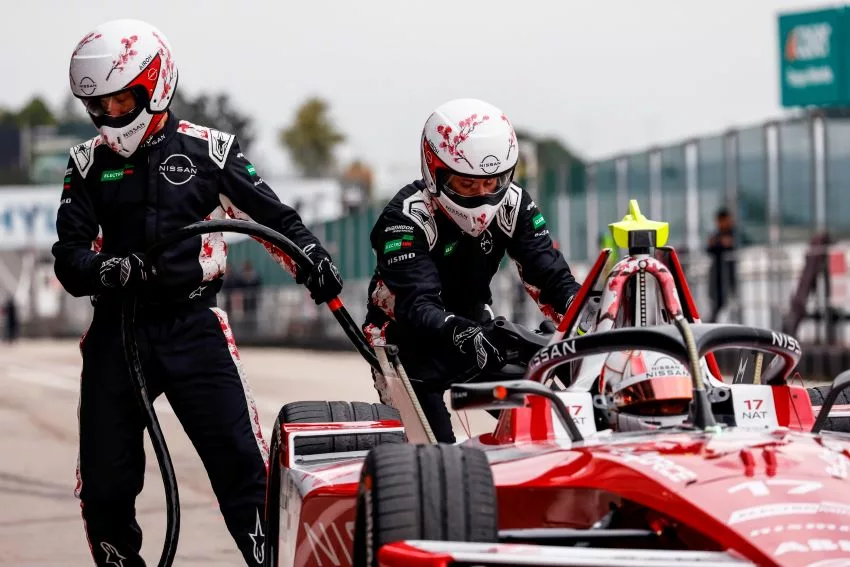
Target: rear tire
(332, 412)
(840, 424)
(430, 492)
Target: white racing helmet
(650, 386)
(469, 138)
(118, 56)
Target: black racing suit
(115, 206)
(427, 268)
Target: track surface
(40, 522)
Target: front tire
(427, 492)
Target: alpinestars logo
(198, 292)
(508, 207)
(418, 212)
(420, 209)
(83, 155)
(220, 140)
(112, 555)
(219, 146)
(509, 211)
(258, 539)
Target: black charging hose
(169, 480)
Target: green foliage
(33, 113)
(311, 139)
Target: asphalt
(40, 522)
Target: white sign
(580, 406)
(28, 216)
(754, 406)
(28, 212)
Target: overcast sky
(604, 76)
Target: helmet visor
(117, 109)
(468, 186)
(113, 105)
(668, 395)
(474, 190)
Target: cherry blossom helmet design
(474, 139)
(124, 56)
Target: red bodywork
(775, 498)
(768, 497)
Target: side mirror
(841, 383)
(502, 395)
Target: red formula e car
(579, 467)
(618, 440)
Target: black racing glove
(130, 272)
(323, 279)
(470, 341)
